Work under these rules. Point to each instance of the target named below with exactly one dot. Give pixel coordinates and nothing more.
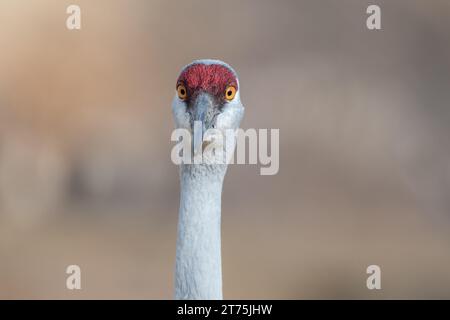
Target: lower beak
(202, 122)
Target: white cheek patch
(231, 115)
(180, 114)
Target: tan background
(85, 123)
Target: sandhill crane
(206, 91)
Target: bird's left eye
(230, 92)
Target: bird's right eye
(182, 92)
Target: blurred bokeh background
(364, 119)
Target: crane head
(207, 93)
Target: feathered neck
(198, 270)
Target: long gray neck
(198, 268)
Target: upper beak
(201, 107)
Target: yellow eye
(182, 92)
(230, 92)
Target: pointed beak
(201, 112)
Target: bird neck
(198, 269)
